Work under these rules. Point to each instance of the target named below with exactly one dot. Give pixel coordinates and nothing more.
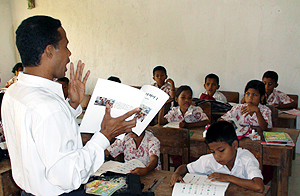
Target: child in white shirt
(227, 162)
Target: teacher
(44, 144)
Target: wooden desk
(163, 189)
(7, 184)
(286, 120)
(278, 156)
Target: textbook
(118, 167)
(104, 188)
(122, 98)
(292, 112)
(195, 184)
(277, 138)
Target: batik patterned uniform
(166, 87)
(248, 120)
(150, 145)
(193, 114)
(278, 97)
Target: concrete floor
(294, 180)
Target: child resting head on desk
(145, 148)
(254, 112)
(188, 115)
(227, 162)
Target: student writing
(227, 162)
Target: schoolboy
(275, 97)
(160, 76)
(145, 148)
(227, 162)
(211, 86)
(64, 81)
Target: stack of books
(278, 138)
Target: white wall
(237, 39)
(7, 53)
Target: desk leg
(281, 175)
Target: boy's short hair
(63, 79)
(271, 74)
(212, 76)
(114, 78)
(159, 67)
(221, 131)
(16, 67)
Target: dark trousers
(77, 192)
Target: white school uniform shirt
(247, 119)
(245, 165)
(218, 96)
(278, 97)
(44, 144)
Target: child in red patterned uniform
(274, 97)
(253, 113)
(188, 115)
(160, 76)
(145, 148)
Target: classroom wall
(237, 39)
(7, 53)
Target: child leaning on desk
(227, 162)
(188, 115)
(145, 148)
(254, 112)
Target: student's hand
(169, 80)
(182, 124)
(112, 127)
(141, 171)
(219, 177)
(249, 109)
(175, 178)
(77, 85)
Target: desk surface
(163, 189)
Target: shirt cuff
(101, 140)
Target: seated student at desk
(275, 97)
(253, 113)
(211, 86)
(145, 148)
(188, 115)
(160, 76)
(227, 162)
